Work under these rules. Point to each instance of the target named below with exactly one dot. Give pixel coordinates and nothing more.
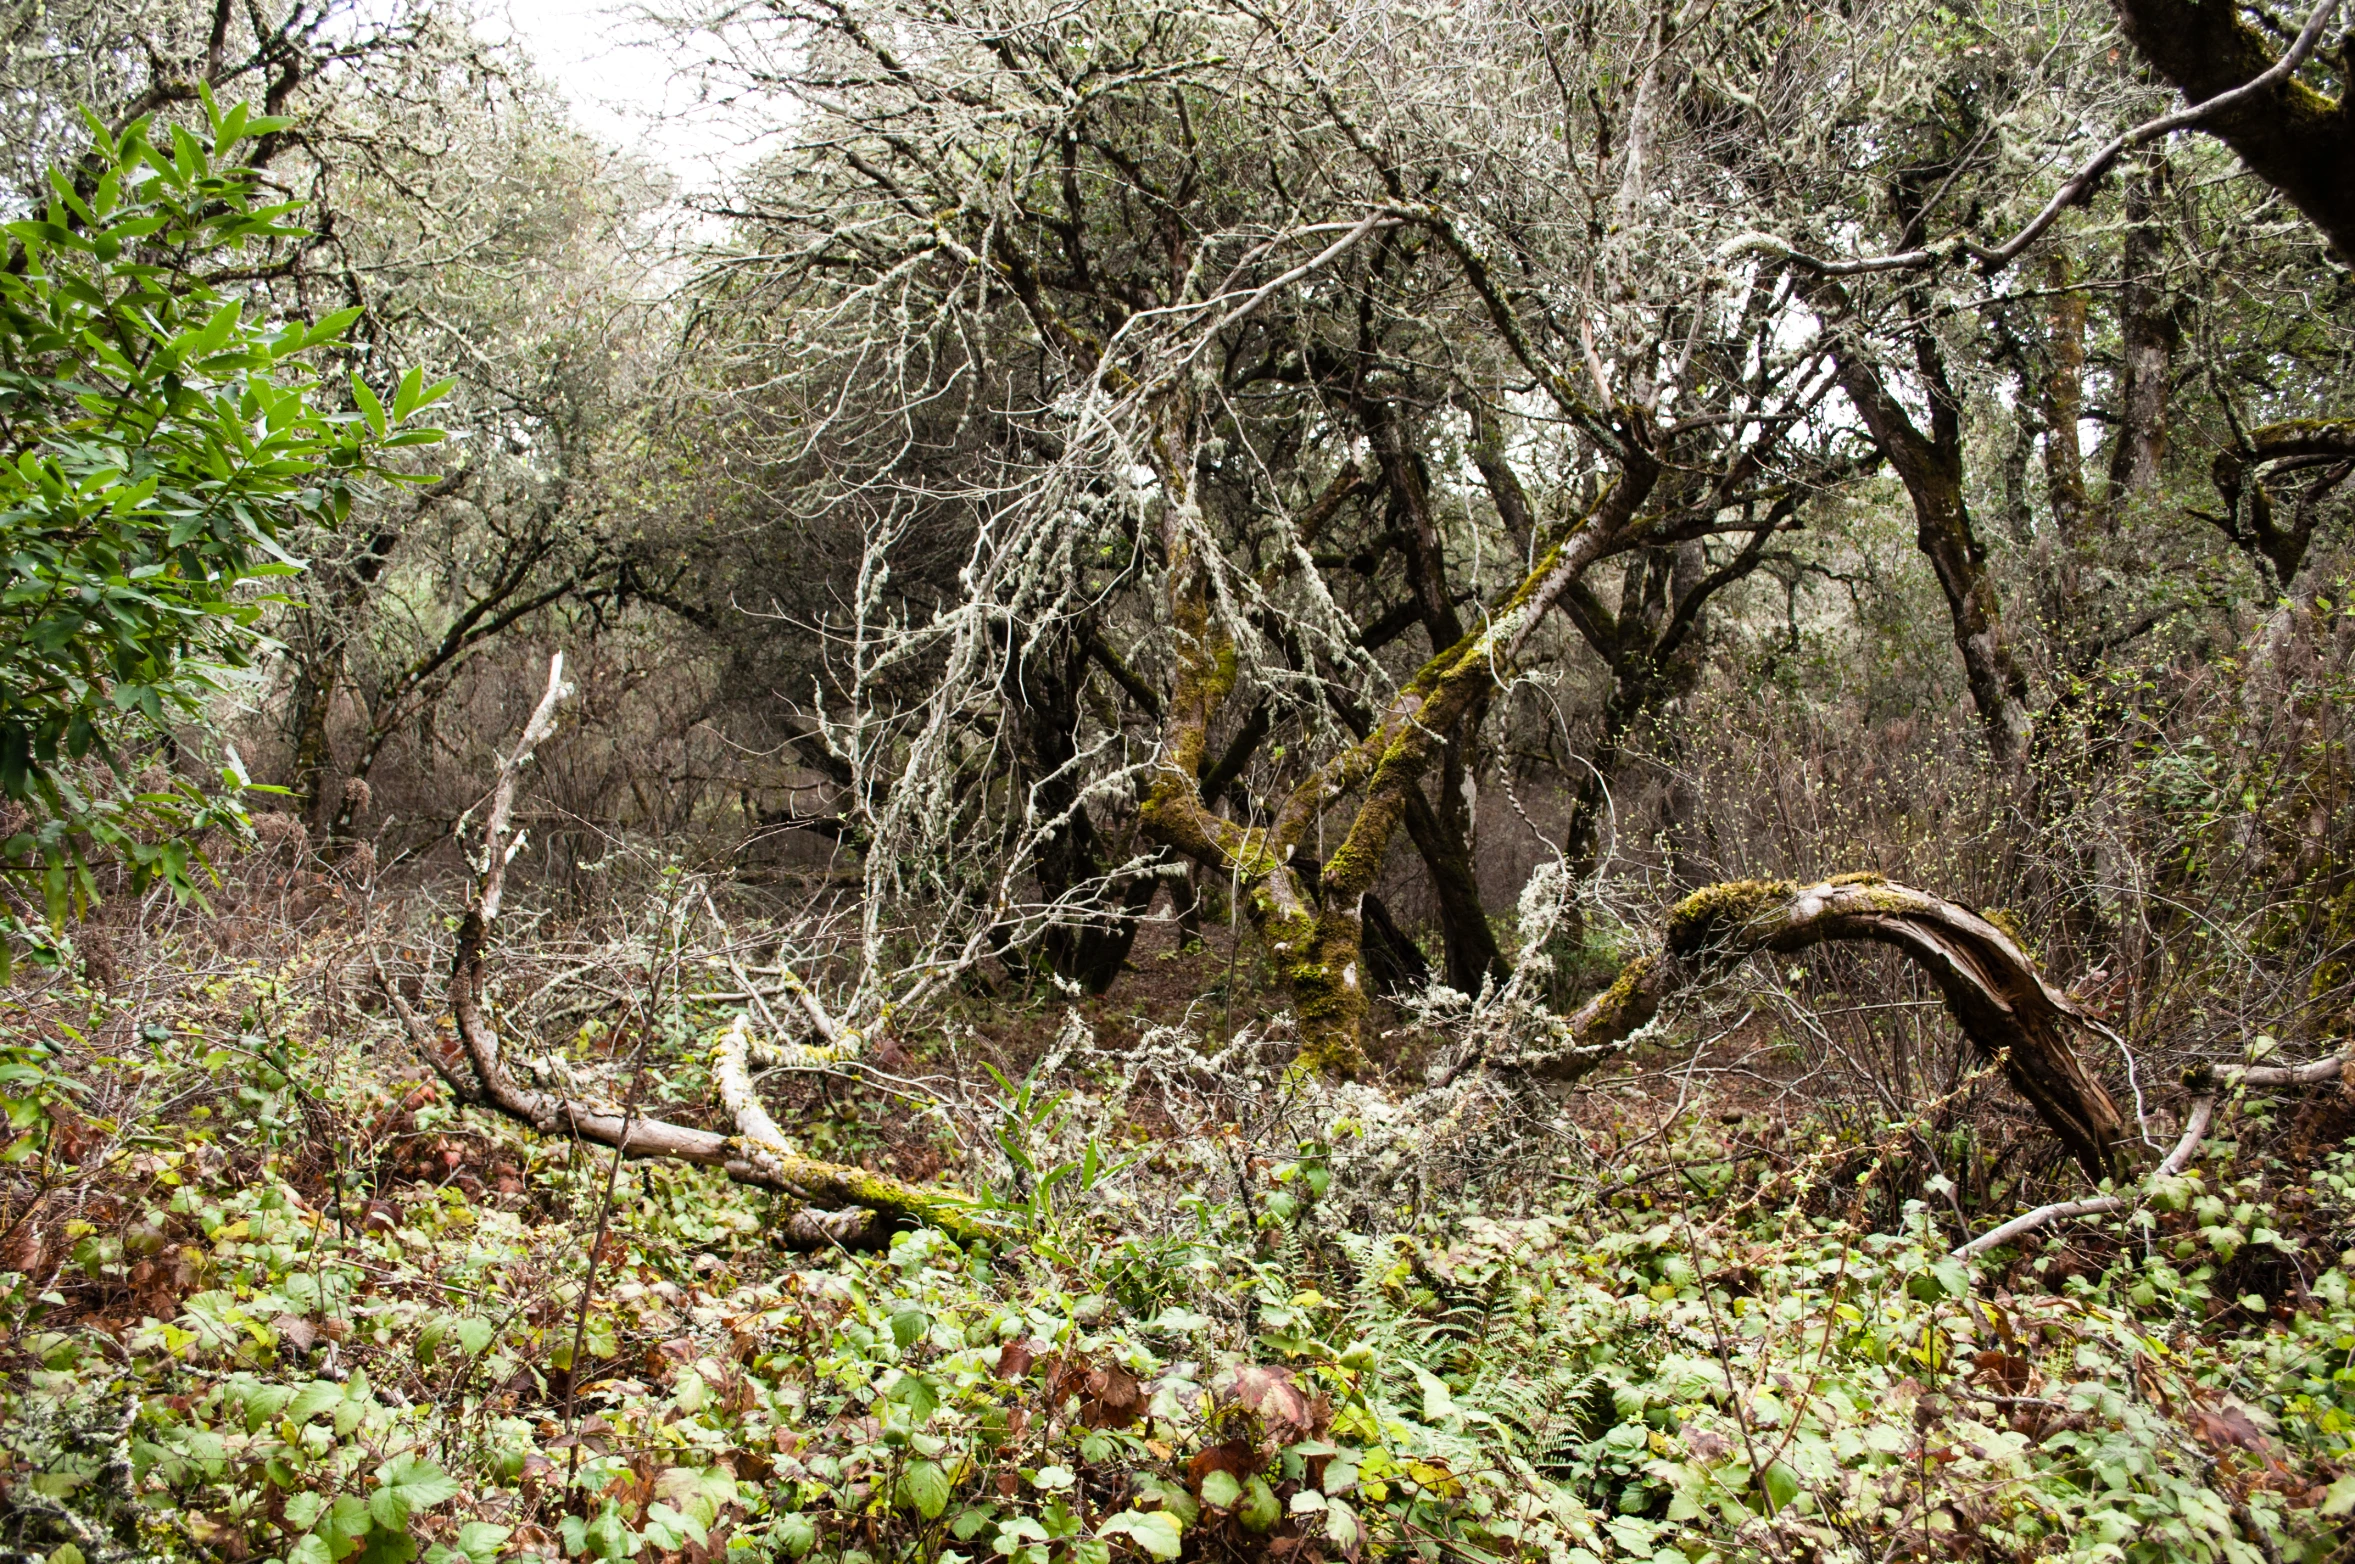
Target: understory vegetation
(293, 1302)
(1528, 782)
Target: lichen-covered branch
(757, 1154)
(1315, 932)
(2195, 1130)
(764, 1147)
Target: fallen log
(1994, 991)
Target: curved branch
(2195, 1129)
(2076, 187)
(756, 1156)
(1994, 991)
(2204, 1079)
(2288, 134)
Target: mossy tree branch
(1316, 932)
(1993, 990)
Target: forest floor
(268, 1293)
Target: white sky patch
(623, 83)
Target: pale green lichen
(1618, 1010)
(2008, 921)
(1709, 914)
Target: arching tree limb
(2290, 136)
(1990, 985)
(758, 1155)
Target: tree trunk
(2290, 136)
(1393, 962)
(1441, 833)
(1044, 691)
(2148, 332)
(1931, 468)
(314, 755)
(1582, 843)
(1472, 954)
(1316, 942)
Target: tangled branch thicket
(1526, 783)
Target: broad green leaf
(925, 1487)
(481, 1540)
(331, 327)
(406, 1485)
(607, 1537)
(917, 1394)
(1260, 1510)
(1438, 1402)
(794, 1534)
(407, 393)
(346, 1525)
(1781, 1485)
(1341, 1527)
(1154, 1531)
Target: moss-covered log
(1995, 992)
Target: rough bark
(2321, 451)
(319, 666)
(2289, 135)
(1993, 990)
(1472, 955)
(2064, 408)
(1930, 465)
(1652, 650)
(319, 657)
(1393, 962)
(2149, 330)
(403, 691)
